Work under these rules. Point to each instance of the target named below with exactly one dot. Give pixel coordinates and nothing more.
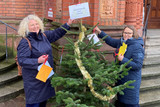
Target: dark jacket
(37, 91)
(134, 51)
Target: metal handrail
(6, 35)
(144, 34)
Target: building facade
(106, 12)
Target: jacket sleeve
(110, 41)
(137, 59)
(53, 35)
(24, 56)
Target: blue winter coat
(37, 91)
(134, 51)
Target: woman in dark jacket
(31, 27)
(135, 52)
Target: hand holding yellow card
(44, 73)
(122, 49)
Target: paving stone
(19, 101)
(10, 103)
(2, 105)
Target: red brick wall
(119, 9)
(94, 5)
(18, 9)
(134, 13)
(12, 11)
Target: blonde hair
(135, 33)
(23, 27)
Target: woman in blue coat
(135, 52)
(31, 27)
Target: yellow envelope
(122, 49)
(44, 73)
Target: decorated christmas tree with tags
(87, 79)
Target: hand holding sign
(45, 70)
(42, 58)
(122, 49)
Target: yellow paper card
(44, 73)
(122, 49)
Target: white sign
(95, 38)
(50, 14)
(79, 11)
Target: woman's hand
(42, 58)
(120, 57)
(70, 21)
(97, 30)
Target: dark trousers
(120, 104)
(42, 104)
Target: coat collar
(35, 35)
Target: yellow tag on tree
(44, 73)
(122, 49)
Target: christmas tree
(87, 79)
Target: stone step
(152, 50)
(2, 56)
(153, 36)
(11, 85)
(151, 55)
(153, 42)
(149, 98)
(150, 84)
(5, 62)
(150, 72)
(11, 91)
(9, 77)
(6, 65)
(151, 61)
(153, 105)
(152, 33)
